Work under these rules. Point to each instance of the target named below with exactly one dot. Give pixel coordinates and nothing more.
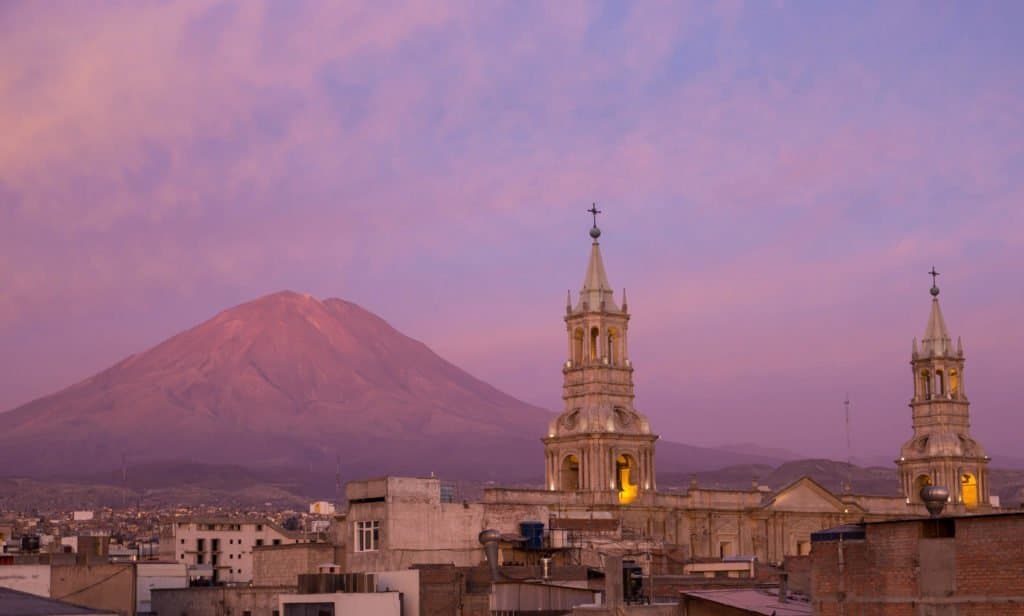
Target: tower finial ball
(595, 232)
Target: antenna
(337, 481)
(849, 461)
(124, 481)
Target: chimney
(489, 538)
(783, 587)
(935, 498)
(612, 581)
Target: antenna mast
(849, 457)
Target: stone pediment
(805, 495)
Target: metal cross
(934, 274)
(593, 210)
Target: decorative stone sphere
(935, 291)
(595, 232)
(934, 498)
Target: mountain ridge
(287, 380)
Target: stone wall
(102, 587)
(280, 565)
(218, 601)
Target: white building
(321, 508)
(222, 548)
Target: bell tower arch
(599, 443)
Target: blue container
(534, 533)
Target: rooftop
(17, 603)
(755, 600)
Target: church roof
(596, 288)
(936, 341)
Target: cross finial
(593, 210)
(935, 286)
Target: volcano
(286, 380)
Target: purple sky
(775, 184)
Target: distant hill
(282, 381)
(291, 385)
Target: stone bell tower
(599, 443)
(942, 451)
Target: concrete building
(321, 508)
(341, 604)
(741, 602)
(221, 549)
(219, 600)
(153, 575)
(280, 565)
(948, 566)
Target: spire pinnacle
(596, 293)
(936, 342)
(595, 232)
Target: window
(276, 542)
(259, 542)
(367, 536)
(182, 541)
(259, 527)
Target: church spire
(936, 341)
(600, 443)
(596, 293)
(941, 451)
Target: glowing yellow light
(627, 490)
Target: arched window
(625, 478)
(940, 384)
(920, 483)
(926, 385)
(954, 383)
(577, 346)
(570, 473)
(969, 490)
(595, 333)
(613, 339)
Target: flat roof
(755, 600)
(846, 531)
(958, 516)
(17, 603)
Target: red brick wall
(989, 563)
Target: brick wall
(897, 566)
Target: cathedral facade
(600, 494)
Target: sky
(775, 178)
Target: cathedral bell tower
(942, 451)
(599, 443)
